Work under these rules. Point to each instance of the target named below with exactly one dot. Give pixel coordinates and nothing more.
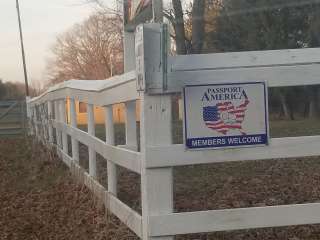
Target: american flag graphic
(225, 116)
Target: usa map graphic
(224, 116)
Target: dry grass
(39, 200)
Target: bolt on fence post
(91, 131)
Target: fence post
(112, 168)
(73, 121)
(33, 119)
(63, 120)
(41, 126)
(30, 121)
(50, 115)
(91, 131)
(131, 125)
(156, 184)
(57, 119)
(36, 121)
(43, 120)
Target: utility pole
(22, 51)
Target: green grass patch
(278, 128)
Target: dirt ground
(40, 200)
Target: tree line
(11, 91)
(93, 49)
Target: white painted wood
(50, 118)
(276, 76)
(57, 118)
(131, 125)
(112, 168)
(39, 125)
(120, 156)
(64, 156)
(28, 110)
(35, 120)
(40, 119)
(278, 67)
(101, 93)
(91, 132)
(290, 147)
(235, 219)
(132, 148)
(156, 184)
(128, 216)
(230, 60)
(96, 188)
(73, 121)
(44, 121)
(63, 119)
(132, 219)
(30, 121)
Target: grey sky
(42, 20)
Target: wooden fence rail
(157, 155)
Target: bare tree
(177, 21)
(91, 50)
(188, 21)
(184, 16)
(11, 90)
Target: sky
(42, 21)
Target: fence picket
(63, 120)
(112, 168)
(91, 131)
(57, 118)
(156, 184)
(50, 115)
(73, 121)
(131, 125)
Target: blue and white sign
(226, 115)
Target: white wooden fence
(157, 157)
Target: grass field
(39, 200)
(279, 128)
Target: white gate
(166, 75)
(12, 118)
